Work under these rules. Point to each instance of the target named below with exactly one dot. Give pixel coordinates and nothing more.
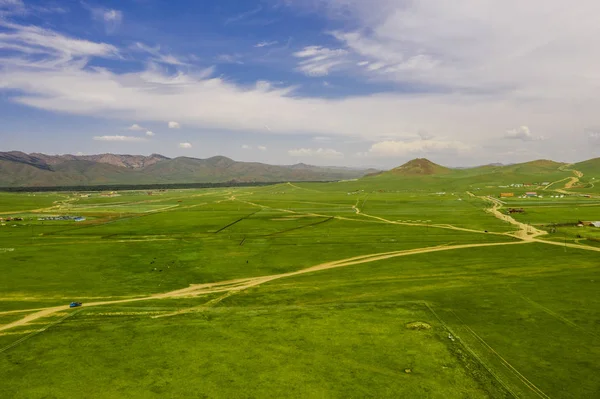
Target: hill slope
(420, 167)
(422, 174)
(36, 170)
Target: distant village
(9, 219)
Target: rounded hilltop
(420, 166)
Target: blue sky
(339, 82)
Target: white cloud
(157, 54)
(135, 127)
(174, 125)
(246, 147)
(44, 48)
(391, 148)
(111, 18)
(266, 44)
(315, 153)
(118, 138)
(8, 7)
(262, 148)
(494, 46)
(319, 61)
(51, 72)
(522, 133)
(185, 145)
(11, 4)
(149, 133)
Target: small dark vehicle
(75, 304)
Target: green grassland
(10, 202)
(497, 315)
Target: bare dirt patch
(418, 325)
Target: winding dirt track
(529, 233)
(526, 234)
(572, 182)
(242, 284)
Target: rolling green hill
(420, 167)
(422, 174)
(36, 170)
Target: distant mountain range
(18, 169)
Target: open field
(365, 288)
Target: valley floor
(299, 290)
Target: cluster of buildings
(11, 219)
(529, 194)
(54, 218)
(588, 224)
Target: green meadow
(387, 286)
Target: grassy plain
(298, 290)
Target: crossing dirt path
(529, 233)
(526, 234)
(245, 283)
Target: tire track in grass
(241, 284)
(471, 351)
(300, 227)
(505, 362)
(41, 330)
(552, 313)
(235, 222)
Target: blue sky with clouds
(344, 82)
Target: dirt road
(245, 283)
(528, 233)
(525, 232)
(572, 182)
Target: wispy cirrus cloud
(49, 70)
(157, 54)
(230, 59)
(266, 44)
(8, 7)
(44, 48)
(243, 15)
(319, 61)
